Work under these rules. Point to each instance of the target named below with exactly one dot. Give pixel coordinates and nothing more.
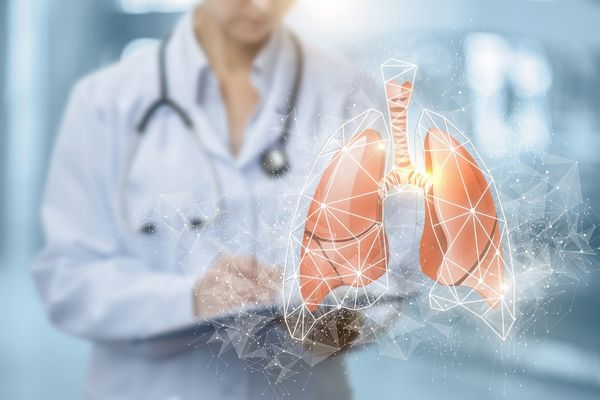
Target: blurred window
(137, 44)
(146, 6)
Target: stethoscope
(274, 160)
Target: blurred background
(524, 68)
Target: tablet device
(257, 321)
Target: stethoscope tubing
(278, 149)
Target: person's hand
(233, 283)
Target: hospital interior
(525, 68)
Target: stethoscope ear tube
(164, 98)
(163, 102)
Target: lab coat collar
(264, 64)
(186, 60)
(273, 110)
(195, 62)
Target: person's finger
(237, 282)
(398, 98)
(240, 280)
(250, 267)
(228, 271)
(223, 288)
(265, 272)
(220, 266)
(247, 288)
(243, 290)
(243, 266)
(210, 302)
(264, 298)
(273, 279)
(251, 293)
(269, 280)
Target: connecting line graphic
(363, 256)
(339, 253)
(361, 250)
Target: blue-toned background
(536, 64)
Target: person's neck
(226, 55)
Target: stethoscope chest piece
(275, 162)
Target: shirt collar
(195, 61)
(186, 61)
(193, 56)
(265, 62)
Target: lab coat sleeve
(90, 286)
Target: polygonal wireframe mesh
(353, 295)
(342, 274)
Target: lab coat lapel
(268, 127)
(182, 75)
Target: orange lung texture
(461, 236)
(344, 243)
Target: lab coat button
(148, 228)
(196, 223)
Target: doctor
(170, 193)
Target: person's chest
(230, 105)
(202, 201)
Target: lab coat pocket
(169, 198)
(161, 231)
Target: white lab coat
(106, 284)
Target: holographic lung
(344, 242)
